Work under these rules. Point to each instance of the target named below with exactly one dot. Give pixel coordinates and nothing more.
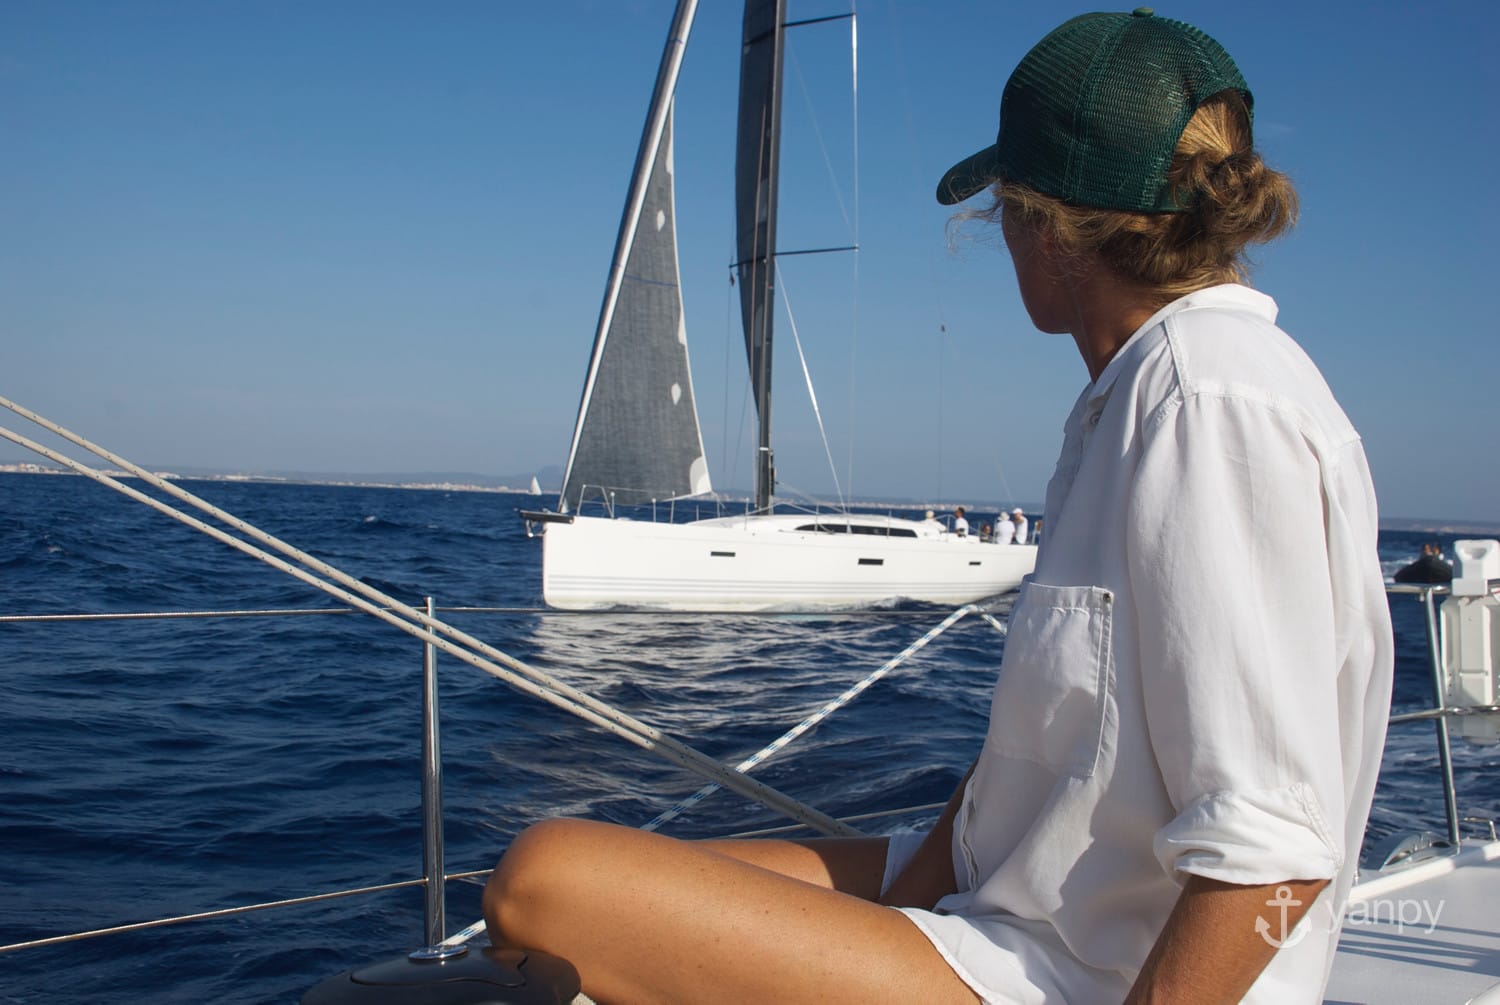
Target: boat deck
(1425, 933)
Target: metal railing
(436, 944)
(1441, 712)
(434, 877)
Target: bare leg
(649, 918)
(854, 866)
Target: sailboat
(637, 439)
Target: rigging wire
(854, 307)
(462, 646)
(734, 341)
(942, 355)
(812, 395)
(414, 622)
(904, 89)
(854, 691)
(850, 214)
(1004, 483)
(812, 117)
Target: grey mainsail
(756, 160)
(637, 437)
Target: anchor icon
(1282, 900)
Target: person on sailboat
(1018, 518)
(1187, 724)
(1005, 530)
(960, 522)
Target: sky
(356, 237)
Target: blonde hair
(1232, 199)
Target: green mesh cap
(1094, 111)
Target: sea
(158, 767)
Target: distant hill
(549, 477)
(1475, 528)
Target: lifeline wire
(464, 935)
(812, 720)
(518, 675)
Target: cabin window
(884, 531)
(858, 528)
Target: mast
(756, 164)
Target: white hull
(770, 563)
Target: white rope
(418, 624)
(828, 709)
(996, 623)
(463, 935)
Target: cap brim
(968, 176)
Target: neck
(1107, 310)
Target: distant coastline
(1472, 528)
(352, 481)
(479, 483)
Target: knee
(528, 876)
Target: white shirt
(960, 526)
(1005, 531)
(1197, 675)
(1021, 525)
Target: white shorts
(1006, 961)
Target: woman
(1187, 725)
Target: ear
(1068, 264)
(1057, 254)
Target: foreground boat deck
(1426, 933)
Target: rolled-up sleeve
(1227, 557)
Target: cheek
(1023, 263)
(1041, 292)
(1032, 285)
(1044, 296)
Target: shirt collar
(1227, 296)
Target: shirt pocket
(1049, 703)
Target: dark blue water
(159, 768)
